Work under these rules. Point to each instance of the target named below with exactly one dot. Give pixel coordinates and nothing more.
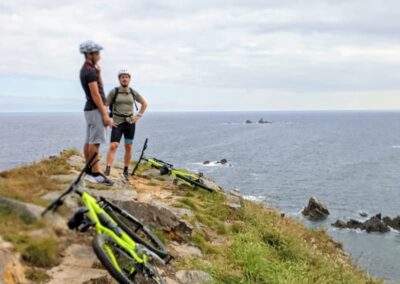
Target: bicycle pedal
(86, 225)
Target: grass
(152, 183)
(36, 275)
(257, 245)
(29, 182)
(39, 252)
(161, 236)
(251, 245)
(142, 167)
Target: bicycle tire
(140, 233)
(197, 183)
(98, 241)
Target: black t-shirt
(88, 75)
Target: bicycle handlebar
(72, 187)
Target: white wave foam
(212, 164)
(396, 146)
(255, 198)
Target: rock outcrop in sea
(374, 224)
(316, 210)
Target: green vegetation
(29, 182)
(142, 167)
(251, 245)
(40, 252)
(258, 245)
(161, 235)
(152, 183)
(37, 275)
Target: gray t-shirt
(123, 105)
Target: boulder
(375, 224)
(206, 162)
(26, 211)
(11, 269)
(30, 213)
(114, 195)
(184, 250)
(211, 184)
(158, 215)
(79, 264)
(394, 223)
(233, 201)
(339, 224)
(262, 121)
(193, 277)
(223, 161)
(235, 192)
(249, 122)
(315, 210)
(71, 201)
(354, 224)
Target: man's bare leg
(128, 154)
(94, 148)
(86, 152)
(111, 153)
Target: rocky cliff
(215, 237)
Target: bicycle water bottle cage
(164, 170)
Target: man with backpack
(121, 101)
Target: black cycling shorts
(128, 130)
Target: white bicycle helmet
(124, 72)
(89, 47)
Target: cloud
(260, 45)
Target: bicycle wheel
(121, 265)
(137, 231)
(195, 182)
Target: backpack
(115, 98)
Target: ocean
(349, 160)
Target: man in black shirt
(97, 118)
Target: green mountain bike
(165, 168)
(119, 246)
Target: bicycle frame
(121, 238)
(159, 164)
(174, 172)
(97, 217)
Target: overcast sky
(205, 55)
